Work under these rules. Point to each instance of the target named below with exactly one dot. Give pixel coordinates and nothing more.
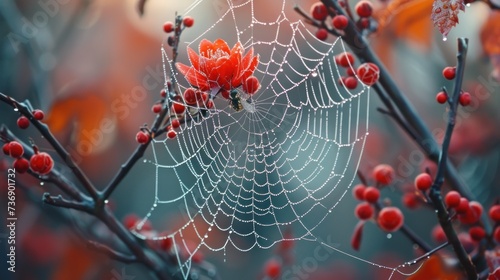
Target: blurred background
(89, 62)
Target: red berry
(168, 27)
(21, 165)
(23, 122)
(188, 21)
(273, 268)
(411, 200)
(319, 11)
(178, 108)
(350, 72)
(345, 59)
(383, 174)
(364, 8)
(449, 72)
(452, 199)
(477, 233)
(350, 82)
(368, 73)
(390, 219)
(364, 211)
(441, 97)
(130, 221)
(469, 217)
(322, 34)
(198, 257)
(358, 191)
(38, 114)
(495, 213)
(496, 235)
(371, 194)
(190, 96)
(423, 181)
(41, 163)
(340, 22)
(166, 244)
(225, 93)
(175, 123)
(6, 149)
(16, 150)
(464, 99)
(438, 234)
(477, 208)
(171, 134)
(156, 108)
(142, 137)
(364, 23)
(463, 206)
(251, 85)
(210, 104)
(163, 93)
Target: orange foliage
(490, 34)
(435, 268)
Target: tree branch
(435, 192)
(121, 257)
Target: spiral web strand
(242, 178)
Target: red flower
(217, 66)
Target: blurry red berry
(438, 234)
(168, 27)
(496, 234)
(178, 108)
(358, 191)
(463, 206)
(364, 211)
(383, 174)
(273, 268)
(452, 199)
(371, 194)
(319, 11)
(171, 134)
(41, 163)
(340, 22)
(476, 207)
(350, 82)
(166, 244)
(364, 8)
(345, 59)
(156, 108)
(23, 122)
(198, 257)
(469, 217)
(390, 219)
(494, 213)
(251, 85)
(175, 123)
(6, 149)
(322, 34)
(350, 72)
(142, 137)
(16, 150)
(423, 181)
(441, 97)
(449, 72)
(368, 73)
(364, 23)
(38, 114)
(163, 93)
(188, 21)
(411, 200)
(21, 165)
(477, 233)
(130, 221)
(464, 99)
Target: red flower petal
(194, 58)
(206, 48)
(220, 44)
(195, 78)
(249, 70)
(224, 69)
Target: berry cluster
(464, 99)
(40, 162)
(368, 72)
(319, 12)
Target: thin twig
(435, 192)
(113, 254)
(59, 201)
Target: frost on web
(241, 178)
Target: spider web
(242, 178)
